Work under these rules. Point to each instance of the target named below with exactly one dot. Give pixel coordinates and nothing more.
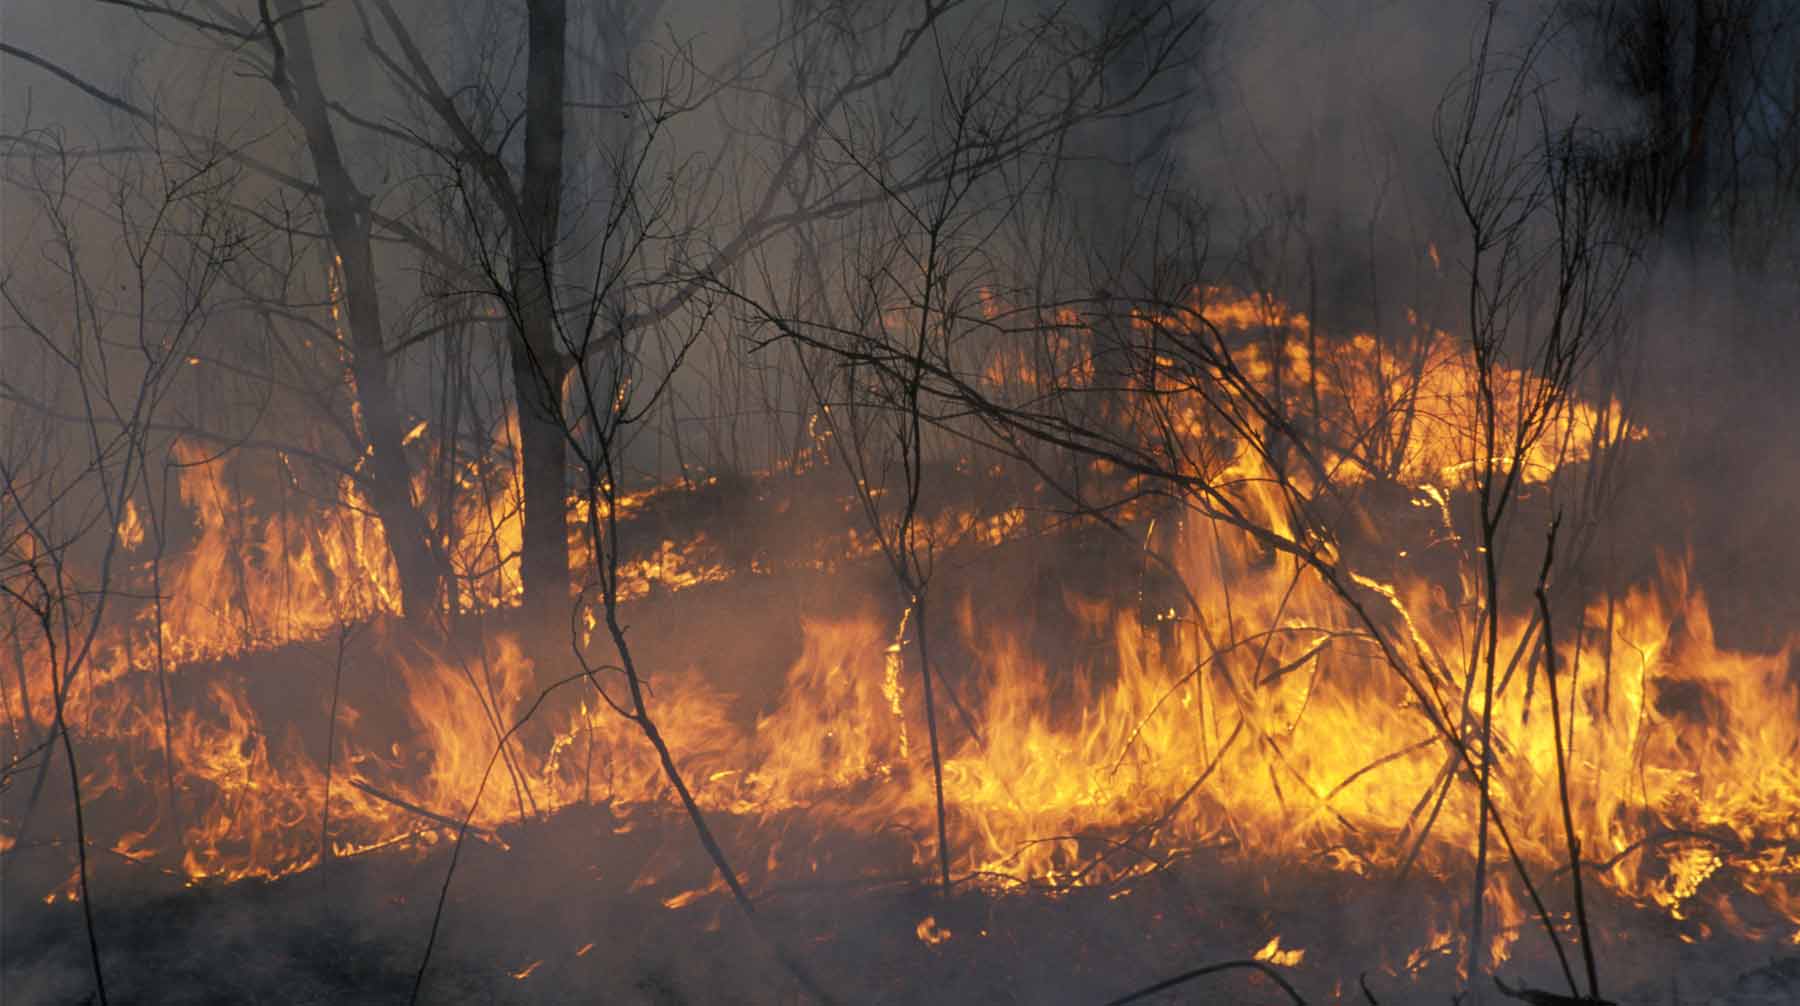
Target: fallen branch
(413, 808)
(1210, 969)
(1526, 994)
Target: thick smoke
(1315, 147)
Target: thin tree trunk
(937, 764)
(347, 221)
(537, 361)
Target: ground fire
(1107, 737)
(890, 556)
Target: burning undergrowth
(854, 503)
(1163, 740)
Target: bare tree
(1707, 153)
(888, 284)
(1546, 264)
(1177, 406)
(104, 344)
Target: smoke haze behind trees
(1314, 150)
(1306, 137)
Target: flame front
(1256, 714)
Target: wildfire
(1403, 409)
(1256, 714)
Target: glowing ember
(930, 933)
(1272, 953)
(525, 972)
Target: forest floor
(586, 905)
(552, 919)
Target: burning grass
(1147, 764)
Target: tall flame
(1257, 713)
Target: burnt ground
(519, 922)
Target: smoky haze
(1314, 146)
(372, 369)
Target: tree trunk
(538, 362)
(544, 558)
(1701, 79)
(347, 220)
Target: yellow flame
(131, 528)
(930, 933)
(1257, 709)
(1273, 954)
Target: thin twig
(1562, 769)
(337, 680)
(465, 826)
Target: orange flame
(1258, 713)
